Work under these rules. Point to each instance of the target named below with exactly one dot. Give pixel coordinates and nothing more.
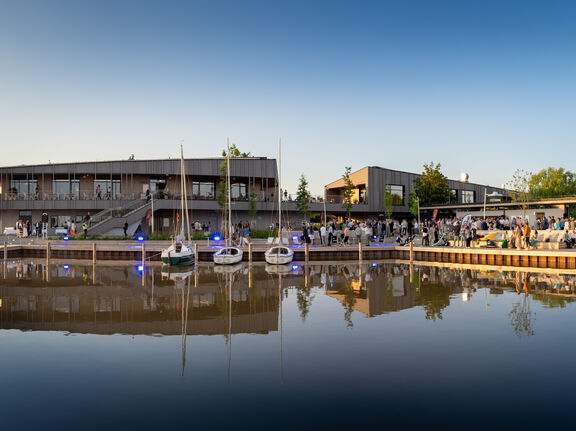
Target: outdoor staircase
(114, 218)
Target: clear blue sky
(480, 86)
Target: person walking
(85, 229)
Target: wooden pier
(122, 251)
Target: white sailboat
(228, 255)
(179, 252)
(279, 254)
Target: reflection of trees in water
(304, 301)
(521, 318)
(434, 299)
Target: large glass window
(109, 189)
(397, 195)
(468, 196)
(238, 191)
(66, 189)
(23, 189)
(202, 190)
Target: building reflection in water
(120, 299)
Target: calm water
(323, 347)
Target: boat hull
(170, 256)
(279, 255)
(228, 256)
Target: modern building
(113, 192)
(371, 182)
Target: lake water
(319, 347)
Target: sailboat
(228, 255)
(179, 252)
(279, 254)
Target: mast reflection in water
(139, 348)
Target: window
(202, 190)
(397, 195)
(66, 189)
(453, 196)
(238, 191)
(109, 189)
(468, 196)
(23, 188)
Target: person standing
(125, 227)
(73, 228)
(330, 234)
(322, 235)
(85, 229)
(98, 192)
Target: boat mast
(228, 239)
(279, 191)
(181, 193)
(184, 193)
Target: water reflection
(247, 299)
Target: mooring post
(250, 252)
(47, 251)
(5, 250)
(411, 252)
(195, 252)
(93, 252)
(143, 254)
(360, 251)
(306, 252)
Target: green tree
(222, 195)
(552, 182)
(348, 191)
(414, 206)
(388, 201)
(432, 186)
(303, 197)
(252, 203)
(519, 187)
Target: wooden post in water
(47, 252)
(306, 252)
(94, 253)
(411, 252)
(360, 251)
(195, 252)
(250, 252)
(143, 255)
(5, 251)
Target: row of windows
(110, 189)
(468, 196)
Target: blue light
(295, 267)
(140, 268)
(65, 237)
(216, 237)
(66, 266)
(294, 237)
(140, 238)
(374, 264)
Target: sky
(483, 87)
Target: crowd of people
(516, 232)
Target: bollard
(250, 252)
(306, 252)
(411, 252)
(360, 251)
(94, 253)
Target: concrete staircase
(110, 222)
